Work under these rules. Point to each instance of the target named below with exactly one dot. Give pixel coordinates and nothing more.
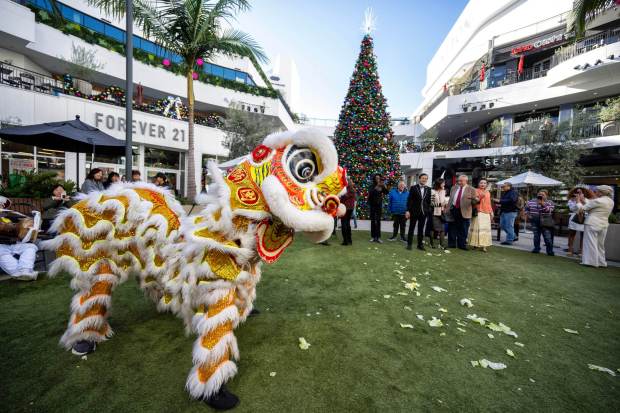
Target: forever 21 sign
(139, 127)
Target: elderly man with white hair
(596, 223)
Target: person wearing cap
(595, 225)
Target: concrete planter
(612, 242)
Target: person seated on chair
(53, 205)
(17, 260)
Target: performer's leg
(88, 323)
(8, 263)
(213, 349)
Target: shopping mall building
(41, 82)
(507, 65)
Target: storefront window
(161, 158)
(51, 161)
(530, 127)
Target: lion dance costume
(203, 267)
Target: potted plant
(609, 116)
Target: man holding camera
(539, 212)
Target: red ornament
(260, 152)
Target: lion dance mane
(204, 267)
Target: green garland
(445, 147)
(92, 37)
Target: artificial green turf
(360, 358)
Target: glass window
(208, 68)
(229, 74)
(176, 58)
(43, 4)
(115, 33)
(217, 70)
(250, 81)
(148, 46)
(51, 164)
(241, 77)
(137, 42)
(71, 14)
(94, 24)
(161, 158)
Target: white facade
(284, 76)
(558, 74)
(40, 50)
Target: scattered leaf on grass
(510, 353)
(462, 330)
(435, 322)
(408, 308)
(406, 325)
(475, 363)
(519, 344)
(84, 357)
(412, 285)
(476, 319)
(442, 334)
(438, 289)
(420, 317)
(492, 365)
(532, 380)
(272, 374)
(467, 302)
(568, 330)
(442, 310)
(303, 344)
(603, 369)
(402, 293)
(386, 296)
(490, 335)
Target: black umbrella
(70, 136)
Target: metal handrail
(27, 79)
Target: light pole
(128, 87)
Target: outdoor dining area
(28, 80)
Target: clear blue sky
(323, 37)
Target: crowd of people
(466, 214)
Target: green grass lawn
(360, 359)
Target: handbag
(546, 221)
(579, 218)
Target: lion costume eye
(302, 164)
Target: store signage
(501, 161)
(540, 43)
(18, 165)
(145, 129)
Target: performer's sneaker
(222, 400)
(83, 347)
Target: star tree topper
(369, 24)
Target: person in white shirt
(595, 225)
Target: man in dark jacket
(509, 208)
(375, 202)
(418, 210)
(397, 204)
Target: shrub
(37, 185)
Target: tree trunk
(191, 161)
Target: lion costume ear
(272, 238)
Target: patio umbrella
(70, 136)
(530, 178)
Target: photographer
(52, 206)
(539, 212)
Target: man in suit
(418, 210)
(462, 200)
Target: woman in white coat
(595, 226)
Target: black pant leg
(412, 221)
(396, 219)
(345, 225)
(403, 224)
(421, 226)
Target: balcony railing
(28, 80)
(585, 45)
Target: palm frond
(236, 42)
(582, 9)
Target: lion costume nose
(330, 205)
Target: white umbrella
(530, 178)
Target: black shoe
(324, 243)
(409, 247)
(378, 240)
(535, 251)
(345, 243)
(463, 248)
(392, 238)
(506, 243)
(404, 240)
(551, 254)
(222, 400)
(255, 311)
(421, 248)
(516, 239)
(83, 347)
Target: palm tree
(582, 10)
(191, 29)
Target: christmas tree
(364, 137)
